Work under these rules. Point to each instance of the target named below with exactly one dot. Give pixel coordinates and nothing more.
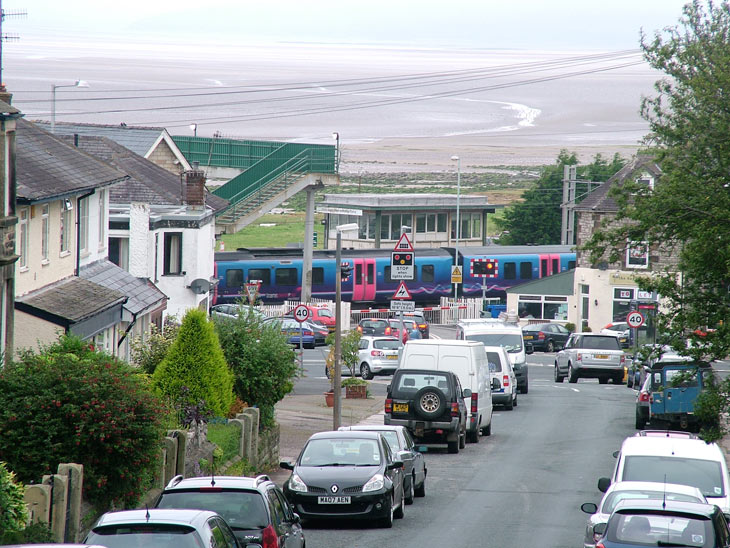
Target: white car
(619, 330)
(377, 356)
(623, 490)
(500, 368)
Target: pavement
(300, 416)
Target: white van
(504, 390)
(468, 361)
(492, 332)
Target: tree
(262, 360)
(149, 351)
(13, 511)
(196, 367)
(537, 218)
(69, 403)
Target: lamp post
(458, 221)
(337, 374)
(54, 87)
(336, 137)
(194, 128)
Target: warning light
(485, 268)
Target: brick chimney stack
(195, 187)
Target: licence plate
(393, 357)
(601, 356)
(333, 500)
(527, 337)
(400, 407)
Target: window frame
(167, 251)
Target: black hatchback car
(255, 508)
(350, 475)
(547, 337)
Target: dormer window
(646, 180)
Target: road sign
(402, 306)
(314, 239)
(456, 277)
(402, 292)
(402, 265)
(301, 313)
(404, 244)
(252, 289)
(635, 319)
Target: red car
(321, 315)
(393, 329)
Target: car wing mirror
(286, 465)
(422, 449)
(495, 384)
(395, 465)
(615, 454)
(589, 508)
(466, 393)
(599, 528)
(529, 349)
(403, 455)
(604, 484)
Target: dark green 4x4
(430, 404)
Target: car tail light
(388, 330)
(541, 335)
(644, 396)
(269, 538)
(377, 353)
(359, 329)
(474, 403)
(579, 357)
(505, 380)
(600, 545)
(308, 332)
(454, 409)
(388, 405)
(422, 325)
(623, 359)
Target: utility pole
(567, 236)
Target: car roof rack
(667, 434)
(174, 481)
(261, 479)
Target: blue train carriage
(514, 265)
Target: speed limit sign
(635, 319)
(301, 313)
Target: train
(278, 273)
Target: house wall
(163, 156)
(98, 248)
(30, 330)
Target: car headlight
(374, 484)
(296, 484)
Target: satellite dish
(200, 286)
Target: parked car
(547, 337)
(233, 311)
(377, 356)
(373, 326)
(665, 456)
(158, 528)
(624, 490)
(590, 356)
(620, 330)
(350, 475)
(297, 334)
(504, 381)
(394, 326)
(404, 448)
(657, 522)
(321, 315)
(642, 404)
(255, 508)
(421, 322)
(430, 404)
(674, 389)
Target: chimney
(195, 188)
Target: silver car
(378, 355)
(623, 490)
(591, 356)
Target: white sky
(530, 24)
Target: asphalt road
(519, 487)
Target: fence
(448, 312)
(276, 310)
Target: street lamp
(54, 87)
(458, 221)
(194, 128)
(337, 374)
(336, 137)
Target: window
(286, 276)
(84, 224)
(173, 253)
(102, 218)
(526, 271)
(390, 225)
(441, 222)
(427, 273)
(420, 223)
(386, 275)
(262, 274)
(318, 276)
(637, 255)
(45, 211)
(67, 221)
(234, 277)
(23, 237)
(510, 271)
(119, 252)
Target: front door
(363, 284)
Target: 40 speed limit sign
(301, 313)
(635, 319)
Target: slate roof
(141, 294)
(7, 109)
(599, 199)
(47, 167)
(147, 181)
(138, 139)
(557, 284)
(72, 299)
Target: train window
(525, 271)
(358, 273)
(234, 277)
(427, 273)
(556, 266)
(571, 265)
(286, 276)
(263, 274)
(371, 274)
(510, 271)
(543, 267)
(386, 275)
(318, 276)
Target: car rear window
(324, 313)
(495, 364)
(598, 342)
(387, 344)
(160, 535)
(375, 323)
(660, 529)
(612, 499)
(407, 384)
(706, 475)
(242, 509)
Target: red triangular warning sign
(402, 292)
(404, 244)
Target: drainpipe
(78, 230)
(129, 328)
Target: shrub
(13, 512)
(570, 327)
(32, 534)
(349, 351)
(195, 361)
(68, 403)
(262, 361)
(149, 351)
